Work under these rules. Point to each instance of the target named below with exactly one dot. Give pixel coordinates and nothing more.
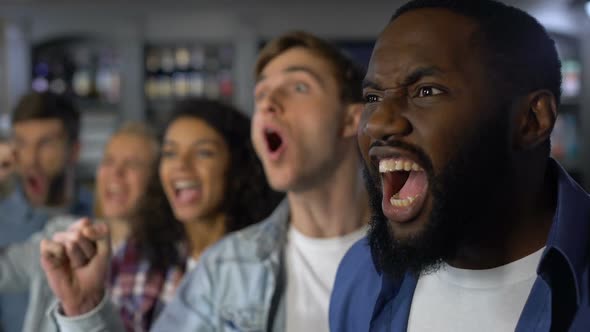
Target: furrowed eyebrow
(419, 73)
(368, 84)
(413, 77)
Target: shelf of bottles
(88, 71)
(85, 69)
(177, 71)
(566, 137)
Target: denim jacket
(238, 285)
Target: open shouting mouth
(275, 143)
(405, 184)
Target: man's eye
(372, 99)
(167, 154)
(428, 91)
(259, 96)
(301, 87)
(204, 153)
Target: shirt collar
(273, 232)
(568, 237)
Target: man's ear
(352, 119)
(536, 120)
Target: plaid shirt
(139, 290)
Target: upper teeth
(392, 165)
(184, 184)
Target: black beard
(466, 199)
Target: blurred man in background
(6, 167)
(45, 129)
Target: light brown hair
(348, 75)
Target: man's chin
(409, 224)
(418, 246)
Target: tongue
(187, 195)
(414, 186)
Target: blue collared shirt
(18, 221)
(365, 300)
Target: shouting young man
(474, 227)
(45, 130)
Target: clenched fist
(76, 264)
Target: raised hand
(76, 264)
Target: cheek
(135, 195)
(255, 136)
(258, 144)
(138, 181)
(53, 161)
(163, 172)
(438, 135)
(364, 143)
(163, 175)
(101, 179)
(216, 184)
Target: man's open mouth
(274, 142)
(34, 183)
(405, 184)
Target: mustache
(423, 158)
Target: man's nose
(272, 102)
(386, 121)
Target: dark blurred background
(130, 60)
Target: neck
(335, 207)
(204, 232)
(521, 228)
(119, 231)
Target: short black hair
(48, 105)
(519, 52)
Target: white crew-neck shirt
(459, 300)
(311, 270)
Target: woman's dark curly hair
(248, 197)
